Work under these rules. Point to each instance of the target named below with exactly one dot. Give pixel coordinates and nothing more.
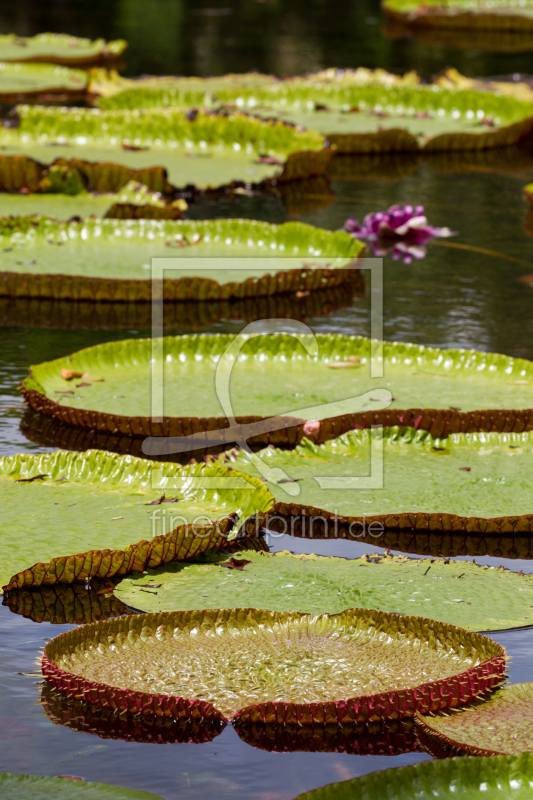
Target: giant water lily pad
(497, 778)
(500, 15)
(495, 725)
(32, 787)
(367, 113)
(460, 593)
(473, 483)
(44, 82)
(111, 259)
(60, 48)
(438, 390)
(133, 201)
(201, 149)
(256, 665)
(97, 515)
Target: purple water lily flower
(402, 231)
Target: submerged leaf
(65, 787)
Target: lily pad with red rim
(494, 725)
(60, 48)
(40, 83)
(260, 666)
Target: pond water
(467, 292)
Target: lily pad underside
(457, 593)
(41, 83)
(60, 48)
(108, 724)
(443, 391)
(495, 725)
(500, 15)
(218, 259)
(259, 666)
(95, 315)
(360, 116)
(497, 778)
(32, 787)
(470, 483)
(129, 502)
(206, 150)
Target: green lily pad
(107, 724)
(495, 725)
(32, 787)
(496, 778)
(40, 82)
(259, 666)
(64, 206)
(503, 15)
(457, 593)
(438, 390)
(60, 48)
(200, 149)
(111, 259)
(467, 482)
(359, 114)
(132, 523)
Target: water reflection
(72, 604)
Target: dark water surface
(466, 293)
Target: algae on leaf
(438, 390)
(497, 778)
(467, 482)
(260, 666)
(459, 593)
(69, 517)
(495, 725)
(111, 259)
(32, 787)
(205, 150)
(60, 48)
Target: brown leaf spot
(465, 469)
(39, 477)
(234, 563)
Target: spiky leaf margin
(435, 695)
(439, 422)
(185, 541)
(64, 286)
